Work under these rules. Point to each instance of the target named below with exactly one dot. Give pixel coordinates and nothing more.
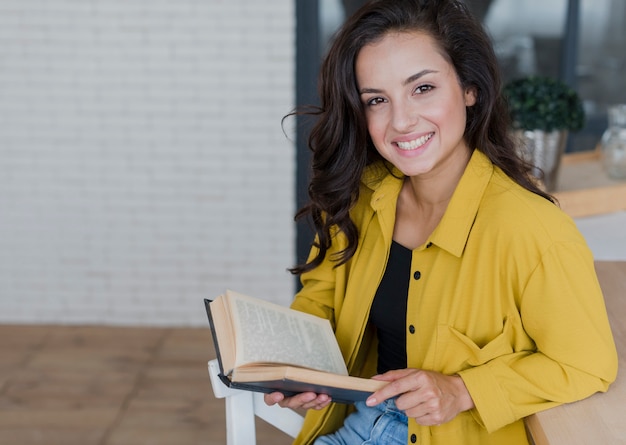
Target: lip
(412, 143)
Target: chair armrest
(285, 419)
(220, 390)
(245, 404)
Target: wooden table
(601, 418)
(584, 189)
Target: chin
(415, 170)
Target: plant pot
(544, 150)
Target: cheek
(454, 114)
(377, 132)
(374, 127)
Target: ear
(470, 97)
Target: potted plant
(543, 111)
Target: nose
(404, 116)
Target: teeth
(412, 145)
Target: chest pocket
(456, 351)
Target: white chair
(242, 406)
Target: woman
(443, 268)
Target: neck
(423, 201)
(435, 190)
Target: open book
(265, 347)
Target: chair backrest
(242, 406)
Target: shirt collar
(385, 181)
(454, 228)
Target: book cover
(293, 358)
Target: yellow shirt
(506, 297)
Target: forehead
(399, 50)
(396, 42)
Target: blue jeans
(383, 424)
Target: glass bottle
(614, 143)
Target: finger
(399, 383)
(429, 420)
(428, 414)
(395, 374)
(417, 406)
(273, 398)
(313, 400)
(305, 400)
(321, 401)
(297, 401)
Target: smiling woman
(444, 270)
(416, 119)
(413, 109)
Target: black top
(388, 311)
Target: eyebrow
(408, 81)
(416, 76)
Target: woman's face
(414, 104)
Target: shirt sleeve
(321, 287)
(563, 311)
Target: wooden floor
(71, 385)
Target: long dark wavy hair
(339, 140)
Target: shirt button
(417, 275)
(429, 245)
(412, 329)
(413, 438)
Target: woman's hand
(305, 400)
(431, 398)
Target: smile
(416, 143)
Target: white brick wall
(142, 162)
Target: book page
(268, 332)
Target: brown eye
(375, 101)
(423, 89)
